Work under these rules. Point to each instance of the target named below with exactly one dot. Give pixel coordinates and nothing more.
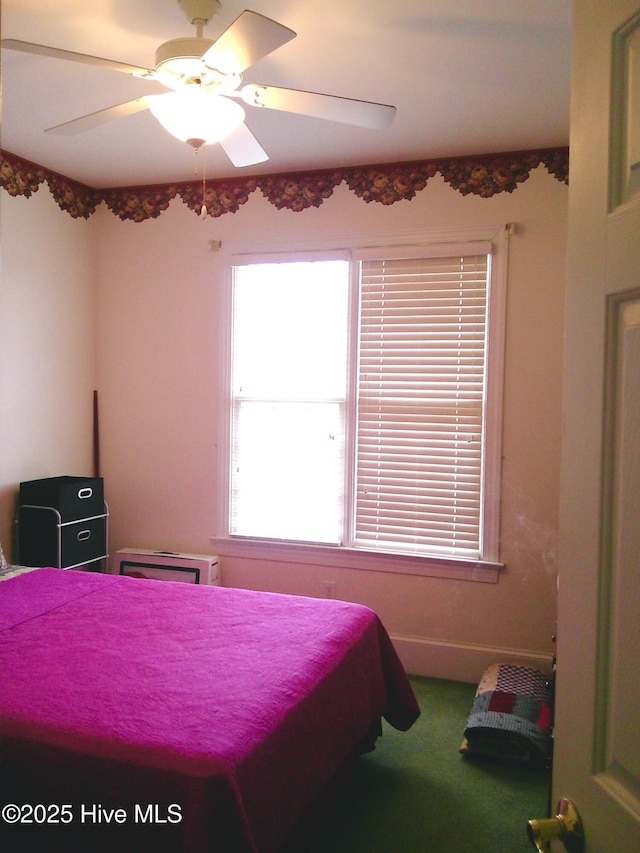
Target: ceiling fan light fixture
(206, 78)
(195, 115)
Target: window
(419, 418)
(365, 400)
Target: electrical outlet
(329, 589)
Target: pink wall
(158, 369)
(151, 349)
(47, 346)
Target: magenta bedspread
(211, 717)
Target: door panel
(617, 762)
(597, 752)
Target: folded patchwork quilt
(512, 716)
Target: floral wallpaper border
(483, 175)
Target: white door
(597, 753)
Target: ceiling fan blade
(331, 107)
(250, 37)
(72, 56)
(242, 148)
(91, 120)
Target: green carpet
(416, 794)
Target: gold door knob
(566, 826)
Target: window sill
(354, 558)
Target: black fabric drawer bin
(80, 541)
(73, 497)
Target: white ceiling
(466, 76)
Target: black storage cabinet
(62, 522)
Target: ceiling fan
(205, 79)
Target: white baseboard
(460, 661)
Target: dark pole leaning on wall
(96, 437)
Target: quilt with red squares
(512, 716)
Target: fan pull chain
(203, 210)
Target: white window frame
(486, 569)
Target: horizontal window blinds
(420, 404)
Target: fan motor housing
(180, 49)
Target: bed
(167, 716)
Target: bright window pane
(289, 369)
(289, 470)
